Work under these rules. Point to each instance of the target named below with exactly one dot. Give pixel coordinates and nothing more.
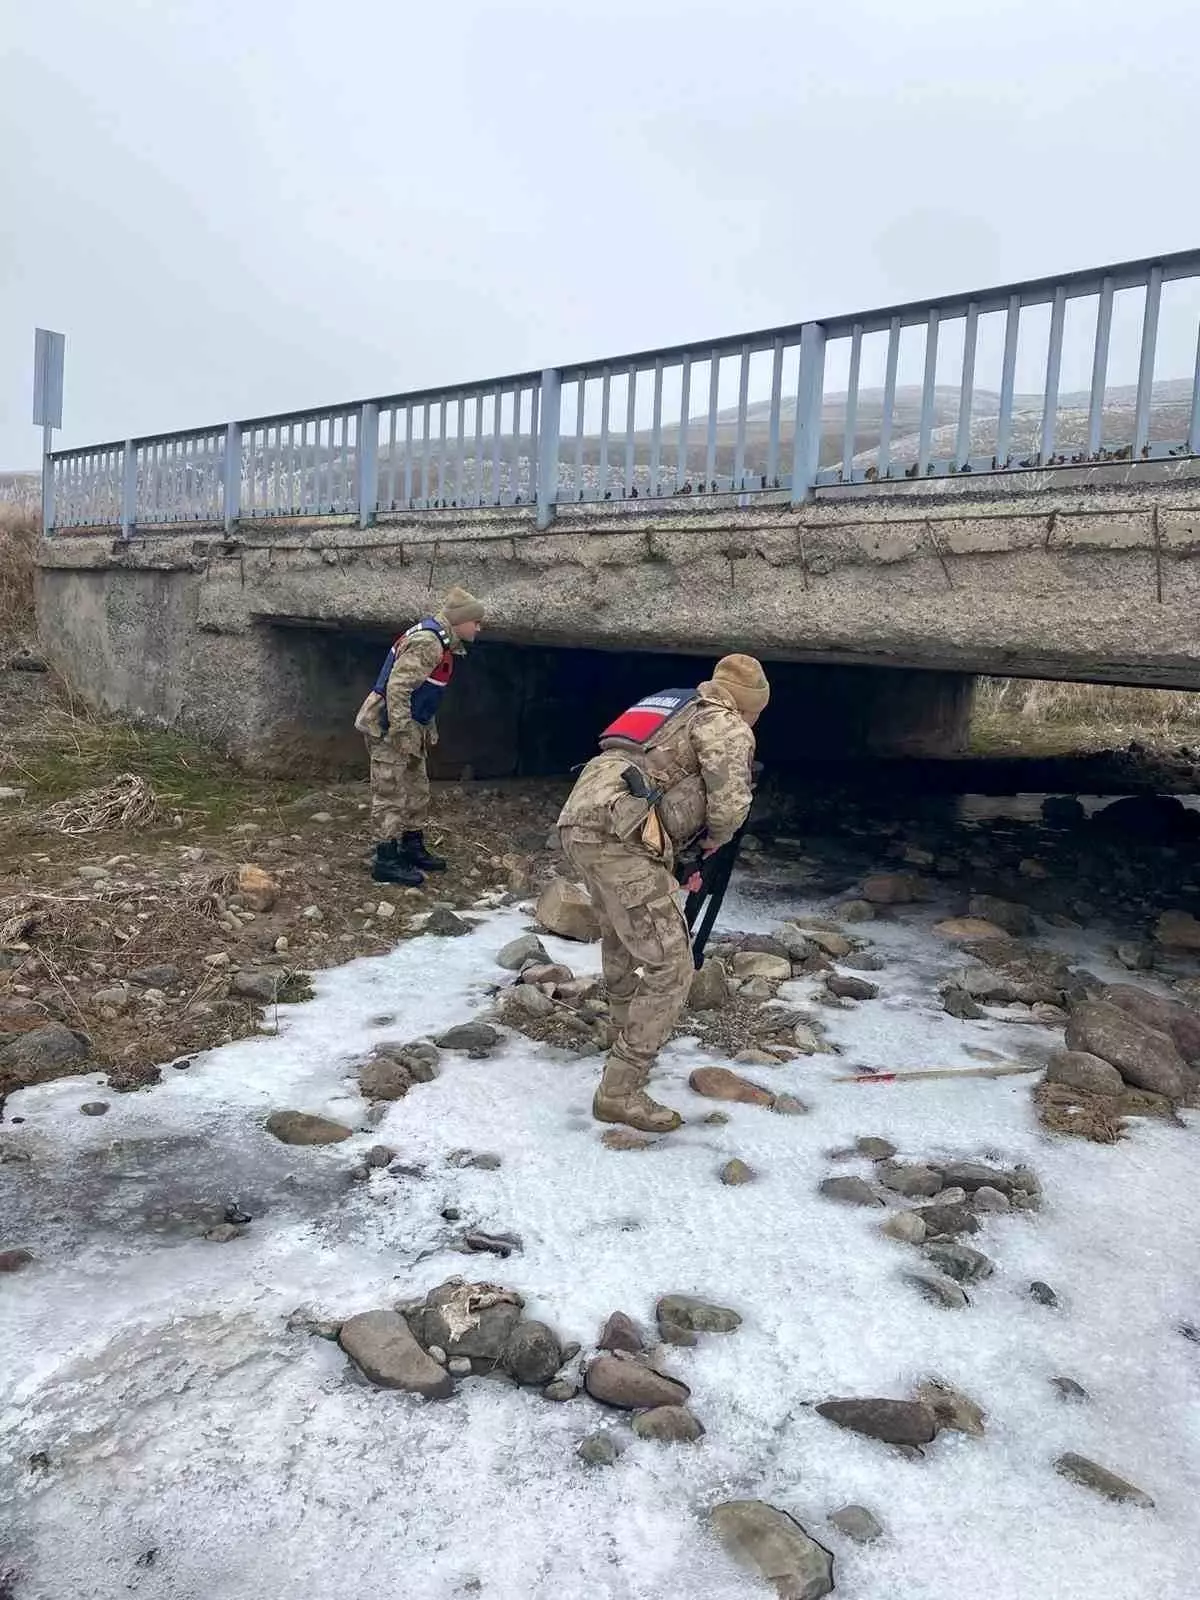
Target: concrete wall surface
(266, 641)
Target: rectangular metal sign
(48, 353)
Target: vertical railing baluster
(605, 397)
(739, 456)
(1058, 313)
(928, 386)
(772, 474)
(580, 403)
(714, 397)
(497, 406)
(477, 496)
(656, 429)
(884, 458)
(231, 497)
(443, 424)
(1008, 370)
(460, 449)
(850, 431)
(391, 450)
(277, 470)
(368, 463)
(685, 405)
(549, 424)
(966, 395)
(293, 476)
(630, 483)
(409, 418)
(129, 478)
(515, 491)
(325, 467)
(535, 419)
(810, 399)
(1145, 388)
(1193, 439)
(426, 453)
(1104, 310)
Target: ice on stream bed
(151, 1399)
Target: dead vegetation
(127, 803)
(1038, 717)
(18, 542)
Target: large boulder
(302, 1127)
(1014, 918)
(43, 1053)
(894, 889)
(911, 1422)
(631, 1386)
(533, 1354)
(384, 1078)
(256, 887)
(1159, 818)
(668, 1425)
(1144, 1057)
(381, 1345)
(761, 964)
(1181, 1022)
(1076, 1069)
(966, 930)
(695, 1316)
(773, 1544)
(719, 1083)
(710, 987)
(477, 1320)
(520, 952)
(1178, 930)
(565, 909)
(1091, 1475)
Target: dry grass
(1083, 1116)
(65, 753)
(128, 802)
(18, 541)
(1040, 717)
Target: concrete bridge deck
(267, 639)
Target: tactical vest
(427, 696)
(640, 726)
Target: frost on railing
(1096, 367)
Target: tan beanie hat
(459, 606)
(743, 678)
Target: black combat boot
(391, 867)
(412, 849)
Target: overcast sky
(234, 208)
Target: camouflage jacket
(702, 758)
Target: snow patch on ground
(154, 1369)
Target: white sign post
(49, 350)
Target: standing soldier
(398, 721)
(693, 750)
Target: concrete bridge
(881, 545)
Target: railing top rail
(1125, 274)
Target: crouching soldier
(398, 720)
(694, 750)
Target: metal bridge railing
(1095, 366)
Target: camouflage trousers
(399, 789)
(644, 945)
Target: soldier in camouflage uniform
(400, 726)
(695, 748)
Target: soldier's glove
(688, 864)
